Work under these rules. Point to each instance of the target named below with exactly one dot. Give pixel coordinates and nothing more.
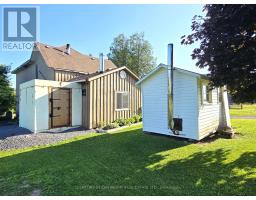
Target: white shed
(48, 104)
(196, 111)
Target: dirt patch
(215, 136)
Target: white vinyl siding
(155, 109)
(185, 103)
(209, 114)
(199, 118)
(154, 103)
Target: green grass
(248, 110)
(132, 163)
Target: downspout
(170, 86)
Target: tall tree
(7, 95)
(227, 36)
(134, 52)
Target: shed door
(60, 99)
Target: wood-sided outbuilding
(197, 111)
(109, 95)
(63, 87)
(88, 101)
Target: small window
(207, 94)
(83, 92)
(122, 100)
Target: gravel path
(26, 139)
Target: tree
(227, 37)
(134, 52)
(7, 95)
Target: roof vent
(102, 64)
(68, 49)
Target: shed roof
(92, 76)
(160, 66)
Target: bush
(7, 93)
(129, 121)
(8, 115)
(111, 126)
(137, 118)
(121, 122)
(101, 124)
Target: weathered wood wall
(65, 75)
(86, 106)
(60, 107)
(100, 101)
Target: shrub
(137, 118)
(8, 115)
(132, 120)
(101, 124)
(121, 122)
(111, 126)
(128, 121)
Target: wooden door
(60, 101)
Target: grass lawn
(132, 163)
(248, 110)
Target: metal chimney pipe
(170, 85)
(102, 64)
(68, 49)
(170, 55)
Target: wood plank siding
(60, 101)
(65, 75)
(99, 104)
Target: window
(122, 100)
(83, 92)
(207, 94)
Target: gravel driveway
(7, 130)
(14, 137)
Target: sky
(91, 29)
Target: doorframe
(51, 106)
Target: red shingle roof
(55, 57)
